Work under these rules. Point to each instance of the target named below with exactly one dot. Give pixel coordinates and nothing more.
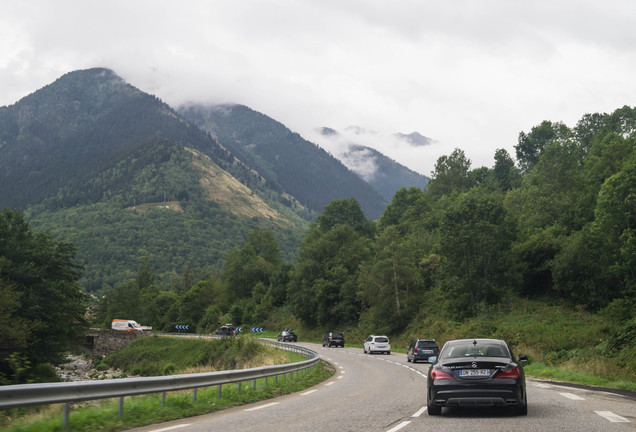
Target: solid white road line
(571, 396)
(398, 427)
(614, 418)
(419, 412)
(262, 406)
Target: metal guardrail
(21, 395)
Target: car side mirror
(523, 358)
(432, 359)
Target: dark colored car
(477, 373)
(287, 336)
(421, 350)
(226, 330)
(333, 339)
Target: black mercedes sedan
(477, 373)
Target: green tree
(407, 207)
(530, 146)
(476, 236)
(389, 287)
(450, 174)
(257, 261)
(145, 276)
(323, 285)
(505, 171)
(194, 303)
(40, 286)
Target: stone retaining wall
(102, 342)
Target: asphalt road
(385, 393)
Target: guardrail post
(238, 387)
(254, 384)
(265, 381)
(163, 400)
(194, 395)
(219, 392)
(121, 406)
(67, 410)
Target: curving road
(385, 393)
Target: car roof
(478, 340)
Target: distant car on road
(333, 339)
(287, 336)
(377, 344)
(226, 330)
(477, 373)
(421, 350)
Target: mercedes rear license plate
(474, 372)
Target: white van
(128, 325)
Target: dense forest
(558, 226)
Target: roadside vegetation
(540, 251)
(168, 356)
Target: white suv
(377, 344)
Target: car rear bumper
(423, 357)
(477, 397)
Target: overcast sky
(468, 74)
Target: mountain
(383, 173)
(117, 172)
(286, 161)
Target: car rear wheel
(521, 409)
(433, 409)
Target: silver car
(377, 344)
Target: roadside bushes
(154, 356)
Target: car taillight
(510, 374)
(415, 351)
(439, 375)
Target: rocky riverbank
(81, 368)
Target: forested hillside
(556, 228)
(115, 171)
(173, 228)
(286, 160)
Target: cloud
(468, 74)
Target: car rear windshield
(336, 335)
(426, 344)
(381, 339)
(472, 350)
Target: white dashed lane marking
(262, 406)
(571, 396)
(398, 427)
(614, 418)
(171, 428)
(419, 412)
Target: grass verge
(144, 410)
(161, 356)
(543, 371)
